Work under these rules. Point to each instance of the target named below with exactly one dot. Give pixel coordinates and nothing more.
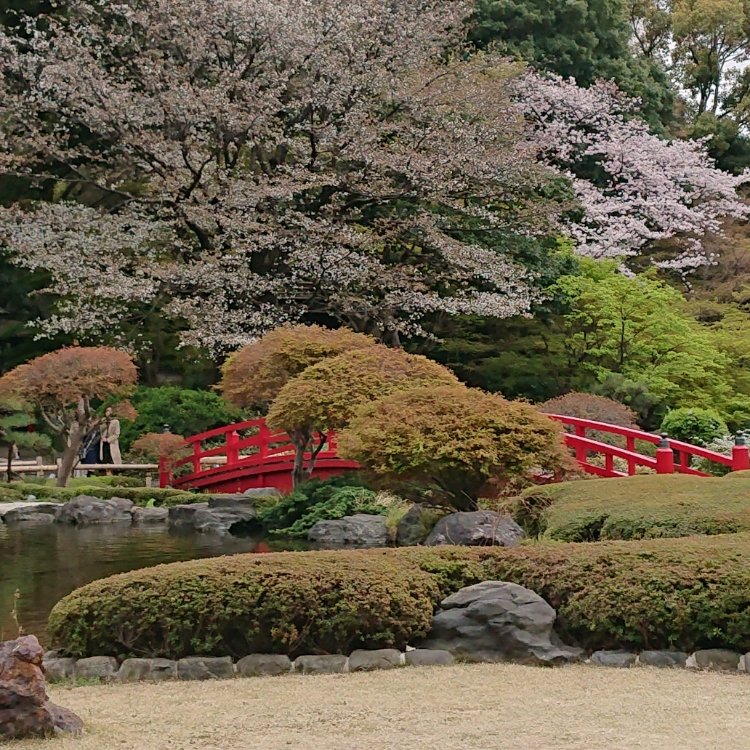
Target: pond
(45, 563)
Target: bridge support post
(664, 457)
(233, 451)
(740, 454)
(165, 476)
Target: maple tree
(327, 395)
(61, 385)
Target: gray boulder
(329, 664)
(152, 670)
(97, 668)
(226, 518)
(415, 526)
(59, 669)
(662, 658)
(257, 665)
(715, 659)
(150, 515)
(230, 501)
(427, 657)
(205, 668)
(481, 528)
(621, 659)
(382, 658)
(360, 530)
(184, 515)
(91, 511)
(37, 514)
(496, 621)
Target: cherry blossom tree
(244, 164)
(633, 187)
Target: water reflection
(47, 562)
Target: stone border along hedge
(109, 669)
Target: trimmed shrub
(672, 594)
(459, 443)
(636, 507)
(697, 426)
(162, 497)
(298, 512)
(295, 603)
(10, 494)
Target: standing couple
(102, 442)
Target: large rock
(359, 530)
(231, 517)
(481, 528)
(103, 668)
(415, 526)
(38, 513)
(59, 669)
(425, 657)
(662, 659)
(230, 501)
(621, 659)
(152, 670)
(205, 668)
(257, 665)
(25, 710)
(184, 515)
(715, 659)
(382, 658)
(262, 492)
(497, 621)
(328, 664)
(91, 511)
(144, 516)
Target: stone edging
(109, 669)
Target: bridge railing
(234, 449)
(671, 456)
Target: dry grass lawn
(483, 707)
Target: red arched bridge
(249, 455)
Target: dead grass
(483, 707)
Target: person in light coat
(109, 432)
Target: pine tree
(15, 419)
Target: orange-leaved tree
(253, 376)
(154, 446)
(61, 386)
(327, 395)
(458, 442)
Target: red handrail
(663, 463)
(271, 449)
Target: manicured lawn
(483, 707)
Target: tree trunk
(301, 442)
(10, 461)
(70, 454)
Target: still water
(45, 563)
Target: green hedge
(292, 602)
(164, 497)
(638, 507)
(679, 593)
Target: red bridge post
(664, 457)
(740, 454)
(165, 475)
(233, 450)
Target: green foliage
(584, 40)
(299, 603)
(162, 497)
(697, 426)
(314, 501)
(10, 494)
(673, 594)
(15, 418)
(187, 412)
(638, 327)
(454, 442)
(638, 507)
